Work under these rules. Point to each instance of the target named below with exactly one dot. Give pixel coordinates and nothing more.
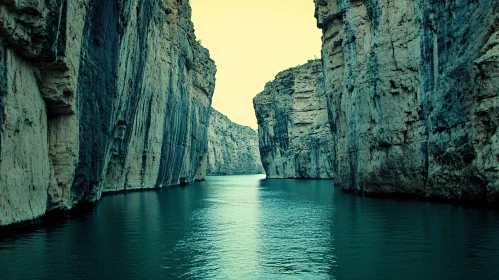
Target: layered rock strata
(413, 94)
(97, 96)
(232, 148)
(294, 135)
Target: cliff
(232, 148)
(413, 93)
(97, 96)
(294, 135)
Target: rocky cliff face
(294, 135)
(413, 94)
(97, 96)
(232, 148)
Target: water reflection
(413, 240)
(294, 233)
(244, 227)
(226, 230)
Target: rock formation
(294, 134)
(97, 96)
(413, 94)
(232, 148)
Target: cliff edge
(294, 136)
(232, 148)
(98, 96)
(413, 93)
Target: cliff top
(217, 114)
(315, 64)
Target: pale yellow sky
(251, 41)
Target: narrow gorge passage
(222, 139)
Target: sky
(251, 41)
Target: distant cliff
(97, 96)
(294, 134)
(232, 148)
(413, 94)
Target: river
(246, 227)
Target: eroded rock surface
(98, 96)
(294, 135)
(232, 148)
(413, 94)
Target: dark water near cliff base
(243, 227)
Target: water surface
(245, 227)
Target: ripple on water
(243, 227)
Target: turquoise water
(245, 227)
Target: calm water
(244, 227)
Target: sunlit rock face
(294, 135)
(232, 148)
(98, 96)
(413, 96)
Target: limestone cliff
(294, 135)
(232, 148)
(97, 96)
(413, 94)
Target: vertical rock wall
(412, 96)
(24, 151)
(98, 96)
(294, 135)
(232, 148)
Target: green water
(245, 227)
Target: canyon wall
(413, 96)
(232, 148)
(294, 135)
(98, 96)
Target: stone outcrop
(294, 135)
(232, 148)
(413, 93)
(98, 96)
